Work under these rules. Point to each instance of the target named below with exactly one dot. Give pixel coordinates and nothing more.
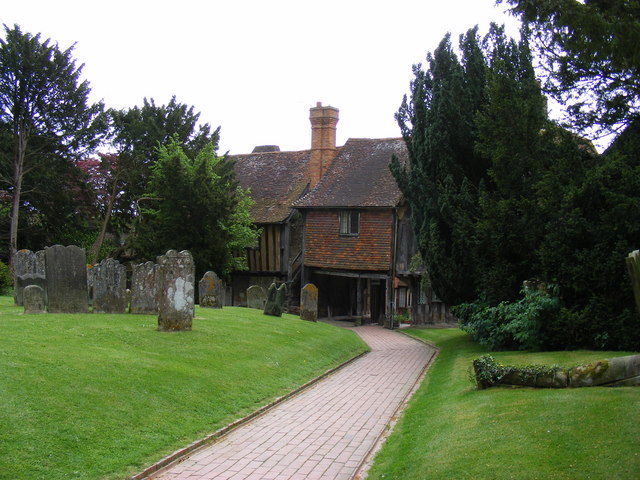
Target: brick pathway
(326, 431)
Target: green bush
(6, 282)
(520, 325)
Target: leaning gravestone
(144, 288)
(34, 299)
(177, 288)
(109, 287)
(276, 298)
(256, 297)
(211, 291)
(66, 272)
(309, 303)
(23, 281)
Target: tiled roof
(276, 180)
(359, 176)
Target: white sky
(256, 67)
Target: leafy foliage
(589, 51)
(194, 204)
(520, 325)
(6, 280)
(539, 203)
(46, 122)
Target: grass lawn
(450, 430)
(102, 396)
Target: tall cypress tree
(442, 178)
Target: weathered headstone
(211, 291)
(144, 288)
(40, 268)
(309, 303)
(24, 263)
(109, 287)
(34, 299)
(66, 272)
(24, 281)
(176, 301)
(256, 297)
(276, 298)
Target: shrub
(6, 281)
(521, 325)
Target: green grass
(103, 396)
(450, 430)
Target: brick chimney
(323, 140)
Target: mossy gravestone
(66, 272)
(25, 262)
(211, 291)
(256, 297)
(109, 287)
(276, 298)
(144, 288)
(309, 303)
(176, 303)
(34, 299)
(23, 281)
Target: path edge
(180, 454)
(366, 463)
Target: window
(349, 222)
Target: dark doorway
(377, 302)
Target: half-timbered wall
(267, 256)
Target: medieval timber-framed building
(334, 216)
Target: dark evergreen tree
(48, 122)
(509, 136)
(589, 50)
(443, 176)
(136, 135)
(194, 203)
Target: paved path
(326, 431)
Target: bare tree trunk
(18, 175)
(97, 245)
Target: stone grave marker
(211, 291)
(24, 281)
(309, 302)
(276, 299)
(109, 287)
(177, 288)
(24, 262)
(34, 299)
(256, 297)
(144, 288)
(66, 273)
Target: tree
(589, 50)
(508, 226)
(443, 177)
(136, 134)
(194, 204)
(44, 110)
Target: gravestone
(34, 299)
(144, 288)
(40, 269)
(276, 298)
(23, 281)
(24, 263)
(256, 297)
(309, 303)
(109, 287)
(66, 272)
(211, 291)
(177, 288)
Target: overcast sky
(254, 67)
